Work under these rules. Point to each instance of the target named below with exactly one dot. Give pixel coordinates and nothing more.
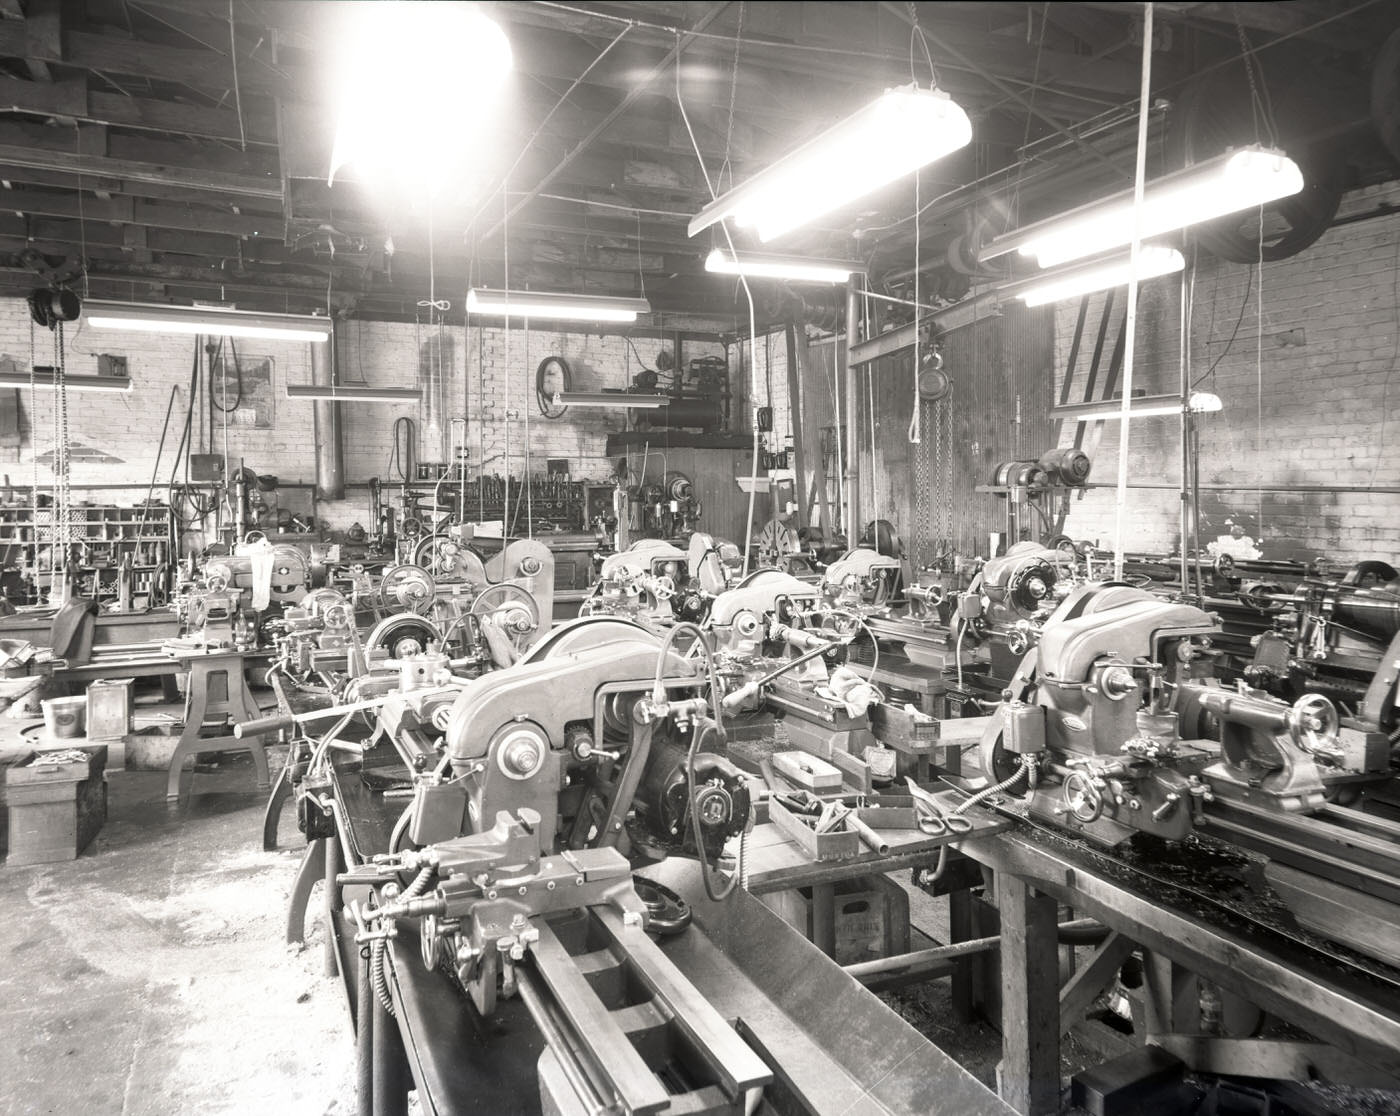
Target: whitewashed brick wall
(1322, 413)
(484, 374)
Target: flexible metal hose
(1026, 770)
(378, 976)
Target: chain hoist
(943, 470)
(34, 461)
(924, 449)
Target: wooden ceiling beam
(41, 148)
(73, 99)
(123, 210)
(98, 184)
(110, 50)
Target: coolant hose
(378, 976)
(1026, 771)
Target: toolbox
(797, 828)
(57, 803)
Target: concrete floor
(150, 975)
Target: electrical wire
(748, 295)
(701, 641)
(403, 452)
(1244, 302)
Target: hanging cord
(1259, 381)
(748, 295)
(34, 466)
(61, 355)
(529, 488)
(403, 453)
(237, 93)
(238, 375)
(1260, 104)
(505, 408)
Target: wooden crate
(55, 810)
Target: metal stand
(216, 688)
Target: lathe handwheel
(663, 588)
(1083, 799)
(1313, 723)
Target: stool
(216, 688)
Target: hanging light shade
(560, 307)
(46, 379)
(771, 265)
(210, 321)
(1236, 180)
(617, 399)
(1143, 406)
(894, 135)
(353, 393)
(1095, 275)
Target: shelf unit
(105, 535)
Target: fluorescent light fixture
(608, 399)
(563, 307)
(769, 265)
(1095, 275)
(46, 379)
(209, 320)
(1236, 180)
(353, 393)
(1144, 406)
(896, 134)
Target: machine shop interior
(686, 557)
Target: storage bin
(65, 717)
(109, 708)
(55, 809)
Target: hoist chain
(923, 484)
(943, 471)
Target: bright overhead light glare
(208, 320)
(1143, 406)
(766, 265)
(353, 393)
(399, 68)
(46, 379)
(896, 134)
(562, 307)
(1096, 275)
(1236, 180)
(608, 399)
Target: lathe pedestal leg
(390, 1088)
(311, 870)
(364, 1041)
(216, 687)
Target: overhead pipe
(327, 425)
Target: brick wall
(484, 374)
(1304, 448)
